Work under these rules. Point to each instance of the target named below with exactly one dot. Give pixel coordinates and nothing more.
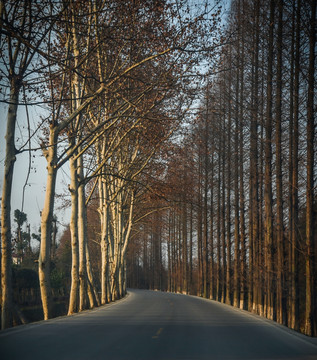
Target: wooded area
(240, 186)
(191, 151)
(114, 80)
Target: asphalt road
(153, 325)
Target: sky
(35, 190)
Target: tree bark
(243, 269)
(237, 263)
(46, 223)
(92, 291)
(103, 209)
(228, 201)
(253, 284)
(82, 237)
(6, 261)
(280, 297)
(212, 219)
(294, 239)
(310, 281)
(73, 188)
(218, 230)
(269, 297)
(223, 211)
(205, 206)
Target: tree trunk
(294, 137)
(269, 298)
(200, 273)
(92, 291)
(218, 230)
(236, 268)
(185, 250)
(73, 188)
(280, 298)
(243, 269)
(6, 261)
(191, 249)
(212, 218)
(169, 254)
(205, 208)
(253, 283)
(82, 237)
(310, 281)
(223, 214)
(104, 240)
(46, 223)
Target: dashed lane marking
(157, 333)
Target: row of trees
(113, 79)
(241, 226)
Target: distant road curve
(153, 325)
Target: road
(154, 325)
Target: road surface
(154, 325)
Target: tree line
(112, 80)
(240, 226)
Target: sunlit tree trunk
(237, 259)
(269, 297)
(6, 261)
(82, 237)
(50, 153)
(92, 291)
(125, 240)
(253, 285)
(280, 298)
(228, 182)
(73, 188)
(103, 209)
(243, 270)
(309, 256)
(294, 136)
(261, 201)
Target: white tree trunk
(46, 223)
(6, 261)
(103, 242)
(92, 292)
(82, 238)
(73, 188)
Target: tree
(280, 292)
(20, 218)
(22, 42)
(293, 168)
(260, 106)
(310, 325)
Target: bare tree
(22, 42)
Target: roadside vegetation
(189, 137)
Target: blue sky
(35, 190)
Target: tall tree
(293, 153)
(310, 325)
(23, 40)
(269, 299)
(280, 293)
(253, 297)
